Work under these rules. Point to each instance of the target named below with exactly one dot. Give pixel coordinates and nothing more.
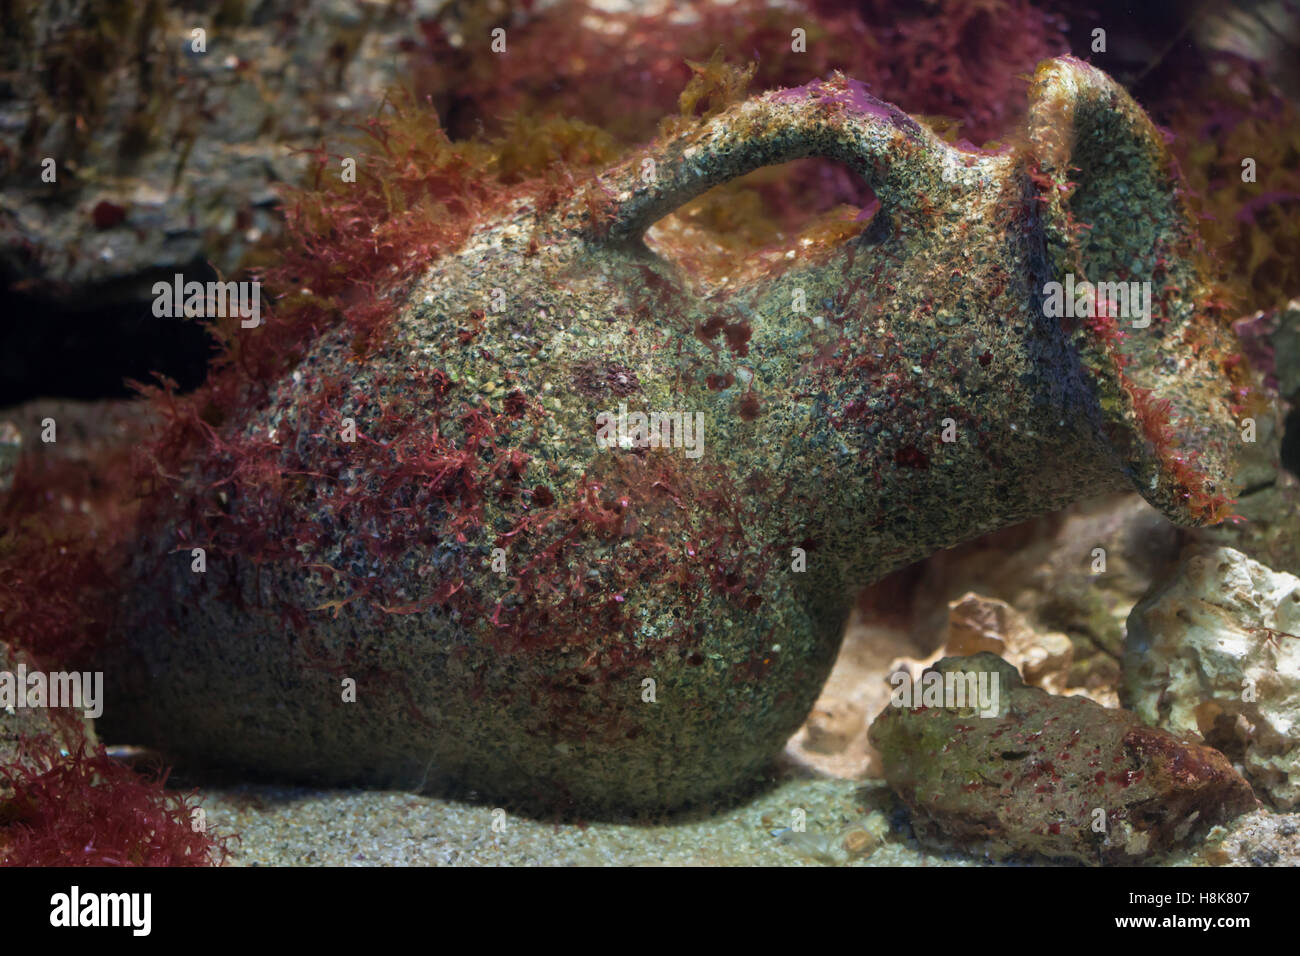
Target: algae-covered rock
(1213, 650)
(1057, 777)
(25, 728)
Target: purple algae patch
(853, 95)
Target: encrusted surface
(828, 392)
(1054, 777)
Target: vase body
(507, 583)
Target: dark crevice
(1256, 488)
(1290, 453)
(88, 349)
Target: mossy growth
(713, 87)
(1237, 139)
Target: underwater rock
(1214, 650)
(833, 724)
(977, 624)
(148, 182)
(1078, 573)
(1056, 777)
(458, 553)
(1261, 838)
(1270, 530)
(1269, 501)
(833, 740)
(1271, 341)
(22, 728)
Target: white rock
(1214, 650)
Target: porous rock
(1214, 650)
(1055, 777)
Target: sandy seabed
(282, 826)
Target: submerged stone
(1055, 777)
(1213, 651)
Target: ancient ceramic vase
(512, 584)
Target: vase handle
(837, 119)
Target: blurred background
(174, 160)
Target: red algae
(86, 809)
(959, 59)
